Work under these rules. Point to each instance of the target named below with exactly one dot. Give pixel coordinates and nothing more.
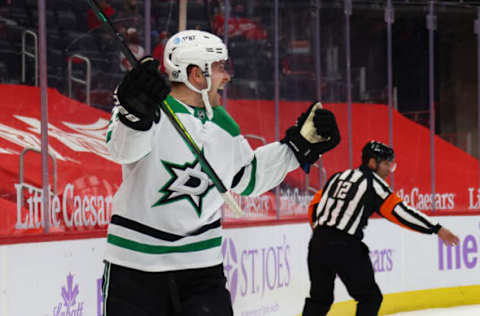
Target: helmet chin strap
(206, 101)
(204, 94)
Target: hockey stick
(182, 131)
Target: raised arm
(136, 110)
(314, 133)
(269, 166)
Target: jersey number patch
(342, 189)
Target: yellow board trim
(416, 300)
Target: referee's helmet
(377, 150)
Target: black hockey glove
(140, 93)
(315, 133)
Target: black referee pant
(332, 252)
(193, 292)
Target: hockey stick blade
(165, 107)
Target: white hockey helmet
(193, 47)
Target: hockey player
(163, 253)
(338, 215)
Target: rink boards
(265, 267)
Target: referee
(338, 216)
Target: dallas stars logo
(188, 181)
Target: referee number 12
(342, 189)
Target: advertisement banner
(83, 178)
(265, 267)
(60, 278)
(429, 261)
(404, 260)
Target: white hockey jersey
(166, 213)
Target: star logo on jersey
(188, 182)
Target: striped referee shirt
(350, 197)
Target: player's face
(220, 77)
(384, 168)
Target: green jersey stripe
(109, 130)
(109, 136)
(220, 116)
(225, 121)
(251, 183)
(152, 249)
(176, 106)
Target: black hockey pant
(332, 252)
(194, 292)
